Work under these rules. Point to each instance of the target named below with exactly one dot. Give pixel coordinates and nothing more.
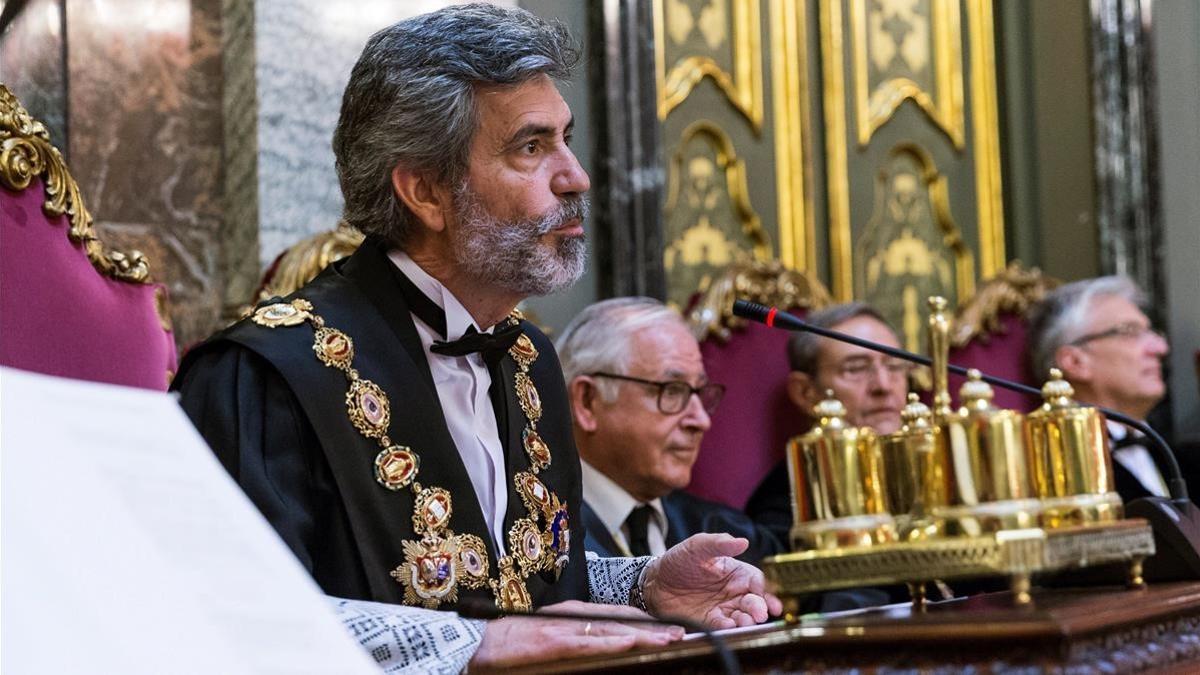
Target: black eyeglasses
(673, 396)
(1131, 329)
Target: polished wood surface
(1084, 630)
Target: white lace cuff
(616, 581)
(409, 639)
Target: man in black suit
(1096, 333)
(403, 429)
(641, 402)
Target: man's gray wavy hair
(411, 101)
(1060, 317)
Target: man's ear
(583, 398)
(803, 391)
(428, 201)
(1075, 363)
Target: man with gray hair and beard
(400, 425)
(1096, 333)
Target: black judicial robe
(276, 418)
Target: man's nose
(695, 417)
(570, 179)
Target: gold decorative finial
(1057, 392)
(829, 409)
(975, 393)
(915, 411)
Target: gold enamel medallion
(432, 511)
(334, 348)
(536, 449)
(527, 396)
(510, 591)
(473, 561)
(430, 571)
(279, 314)
(525, 542)
(368, 408)
(534, 493)
(523, 351)
(396, 467)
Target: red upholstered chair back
(756, 418)
(68, 306)
(990, 332)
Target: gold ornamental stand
(1016, 554)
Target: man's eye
(530, 148)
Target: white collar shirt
(1137, 460)
(462, 384)
(612, 505)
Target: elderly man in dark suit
(641, 403)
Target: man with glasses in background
(871, 386)
(641, 402)
(1095, 332)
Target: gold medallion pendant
(396, 467)
(429, 573)
(473, 559)
(510, 591)
(291, 313)
(528, 547)
(523, 351)
(535, 495)
(334, 348)
(368, 408)
(536, 449)
(527, 396)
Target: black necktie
(638, 524)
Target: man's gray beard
(510, 254)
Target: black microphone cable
(474, 608)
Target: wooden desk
(1077, 631)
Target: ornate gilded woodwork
(304, 260)
(692, 44)
(793, 134)
(1013, 291)
(710, 222)
(986, 125)
(907, 49)
(25, 153)
(911, 247)
(873, 103)
(767, 282)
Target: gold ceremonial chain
(435, 564)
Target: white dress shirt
(613, 505)
(1137, 459)
(462, 384)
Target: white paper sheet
(126, 548)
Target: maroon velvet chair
(69, 306)
(756, 418)
(990, 332)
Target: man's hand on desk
(522, 640)
(699, 579)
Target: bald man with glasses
(641, 402)
(1096, 333)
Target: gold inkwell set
(953, 494)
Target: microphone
(476, 608)
(1175, 521)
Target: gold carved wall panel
(911, 164)
(911, 247)
(709, 222)
(907, 50)
(716, 39)
(737, 151)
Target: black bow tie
(492, 346)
